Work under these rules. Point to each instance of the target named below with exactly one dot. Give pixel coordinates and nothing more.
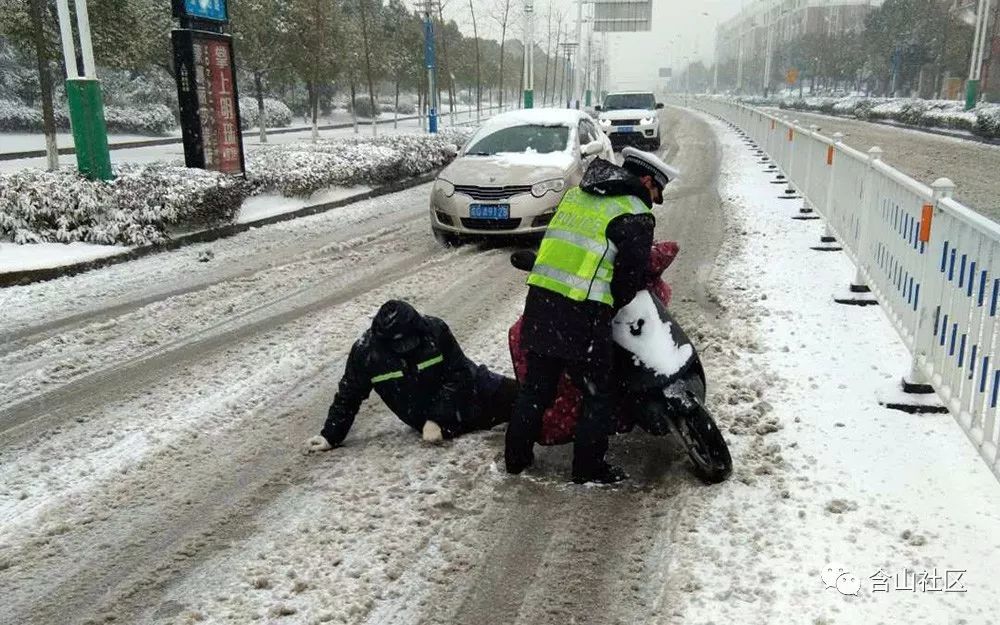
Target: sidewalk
(902, 504)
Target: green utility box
(90, 133)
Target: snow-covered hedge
(134, 209)
(276, 113)
(142, 204)
(984, 120)
(303, 168)
(152, 119)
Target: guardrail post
(860, 292)
(916, 382)
(828, 242)
(860, 285)
(789, 193)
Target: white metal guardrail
(932, 263)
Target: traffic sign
(210, 10)
(792, 76)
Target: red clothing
(559, 421)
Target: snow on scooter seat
(639, 329)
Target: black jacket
(558, 326)
(438, 391)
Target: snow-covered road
(152, 415)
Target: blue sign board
(211, 10)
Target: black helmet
(398, 325)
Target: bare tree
(373, 106)
(479, 80)
(548, 53)
(37, 9)
(503, 19)
(443, 38)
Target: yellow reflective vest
(576, 259)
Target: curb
(29, 276)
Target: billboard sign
(209, 101)
(209, 10)
(622, 16)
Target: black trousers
(593, 377)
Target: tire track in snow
(208, 501)
(250, 252)
(83, 393)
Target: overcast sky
(680, 29)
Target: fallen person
(416, 367)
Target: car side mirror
(598, 108)
(659, 105)
(591, 149)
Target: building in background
(745, 43)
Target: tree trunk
(261, 122)
(354, 102)
(557, 91)
(395, 115)
(503, 40)
(36, 7)
(368, 67)
(479, 82)
(447, 65)
(548, 53)
(314, 108)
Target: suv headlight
(604, 121)
(445, 187)
(645, 121)
(541, 188)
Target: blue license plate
(489, 211)
(626, 129)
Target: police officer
(592, 261)
(416, 366)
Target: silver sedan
(511, 175)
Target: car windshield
(620, 101)
(519, 139)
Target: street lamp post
(978, 54)
(86, 105)
(529, 54)
(431, 65)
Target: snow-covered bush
(988, 121)
(15, 117)
(143, 203)
(155, 119)
(363, 107)
(276, 113)
(984, 120)
(304, 168)
(406, 108)
(134, 209)
(950, 118)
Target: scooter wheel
(705, 445)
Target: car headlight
(541, 188)
(604, 121)
(645, 121)
(445, 187)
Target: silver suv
(630, 118)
